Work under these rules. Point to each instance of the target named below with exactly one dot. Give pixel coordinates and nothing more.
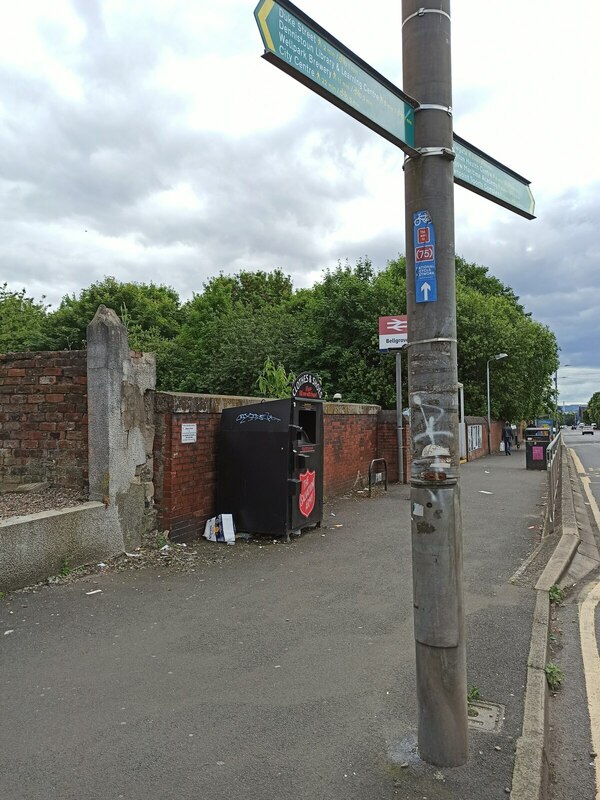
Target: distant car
(587, 429)
(573, 427)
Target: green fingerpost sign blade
(299, 46)
(482, 174)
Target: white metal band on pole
(429, 341)
(422, 152)
(423, 11)
(433, 107)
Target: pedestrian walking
(507, 437)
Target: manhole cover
(485, 716)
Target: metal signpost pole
(399, 416)
(432, 365)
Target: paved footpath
(286, 671)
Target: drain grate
(485, 716)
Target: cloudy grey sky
(147, 139)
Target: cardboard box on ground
(220, 529)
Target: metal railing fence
(553, 463)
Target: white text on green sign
(484, 175)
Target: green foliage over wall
(221, 339)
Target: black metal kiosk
(270, 462)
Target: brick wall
(350, 444)
(387, 444)
(43, 418)
(496, 435)
(185, 473)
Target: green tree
(341, 344)
(234, 325)
(22, 321)
(593, 408)
(521, 385)
(491, 320)
(145, 307)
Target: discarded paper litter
(220, 529)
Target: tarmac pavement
(286, 671)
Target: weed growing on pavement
(556, 594)
(65, 568)
(2, 595)
(554, 675)
(161, 541)
(473, 695)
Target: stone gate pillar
(120, 424)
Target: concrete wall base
(36, 546)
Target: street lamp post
(556, 398)
(555, 402)
(487, 372)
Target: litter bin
(536, 444)
(270, 465)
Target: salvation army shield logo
(306, 500)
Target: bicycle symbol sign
(421, 218)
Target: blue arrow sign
(425, 269)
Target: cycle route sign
(303, 49)
(425, 268)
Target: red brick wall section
(496, 435)
(43, 418)
(185, 473)
(350, 445)
(387, 444)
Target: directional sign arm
(482, 174)
(298, 45)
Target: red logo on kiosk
(306, 501)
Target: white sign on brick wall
(189, 432)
